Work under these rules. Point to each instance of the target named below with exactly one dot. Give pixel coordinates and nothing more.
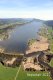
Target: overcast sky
(41, 9)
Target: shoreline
(40, 45)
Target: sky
(40, 9)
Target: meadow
(7, 73)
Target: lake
(19, 36)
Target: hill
(49, 23)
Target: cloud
(26, 9)
(42, 14)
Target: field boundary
(17, 73)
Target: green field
(7, 73)
(31, 75)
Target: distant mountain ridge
(11, 20)
(49, 23)
(4, 23)
(38, 20)
(14, 20)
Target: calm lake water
(19, 37)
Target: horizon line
(23, 18)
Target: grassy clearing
(30, 75)
(7, 73)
